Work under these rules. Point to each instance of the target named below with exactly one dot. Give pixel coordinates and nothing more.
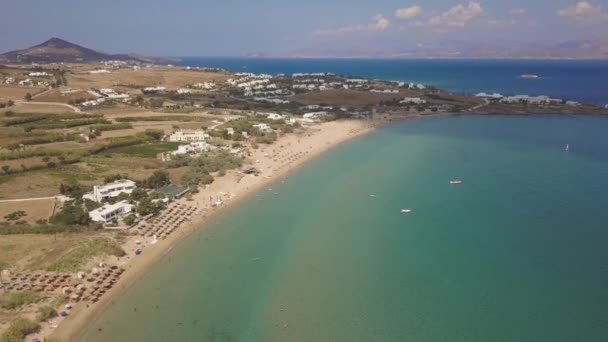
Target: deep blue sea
(580, 80)
(517, 253)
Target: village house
(184, 91)
(158, 89)
(263, 127)
(26, 83)
(188, 135)
(39, 74)
(412, 101)
(193, 148)
(9, 80)
(92, 103)
(230, 131)
(110, 190)
(110, 212)
(112, 94)
(99, 71)
(274, 116)
(416, 86)
(315, 115)
(203, 85)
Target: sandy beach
(274, 161)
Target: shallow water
(517, 253)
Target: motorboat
(456, 182)
(406, 211)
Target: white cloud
(379, 24)
(457, 16)
(584, 12)
(408, 12)
(518, 11)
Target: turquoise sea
(516, 253)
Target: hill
(57, 50)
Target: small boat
(456, 182)
(529, 76)
(567, 147)
(373, 196)
(406, 211)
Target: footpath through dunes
(316, 258)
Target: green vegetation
(212, 162)
(157, 180)
(73, 261)
(51, 121)
(150, 150)
(48, 138)
(46, 312)
(185, 118)
(110, 127)
(16, 299)
(15, 215)
(72, 213)
(18, 329)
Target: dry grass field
(10, 92)
(37, 108)
(171, 78)
(55, 95)
(35, 251)
(35, 210)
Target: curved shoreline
(328, 136)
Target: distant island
(56, 50)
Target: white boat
(567, 147)
(457, 182)
(406, 211)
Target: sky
(245, 27)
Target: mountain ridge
(57, 50)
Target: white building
(203, 85)
(112, 94)
(110, 190)
(193, 148)
(274, 116)
(154, 89)
(26, 82)
(230, 131)
(184, 91)
(315, 115)
(262, 127)
(9, 80)
(39, 74)
(100, 71)
(110, 212)
(188, 135)
(490, 96)
(412, 100)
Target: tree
(129, 220)
(10, 103)
(158, 179)
(139, 100)
(138, 194)
(28, 97)
(6, 169)
(71, 214)
(156, 134)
